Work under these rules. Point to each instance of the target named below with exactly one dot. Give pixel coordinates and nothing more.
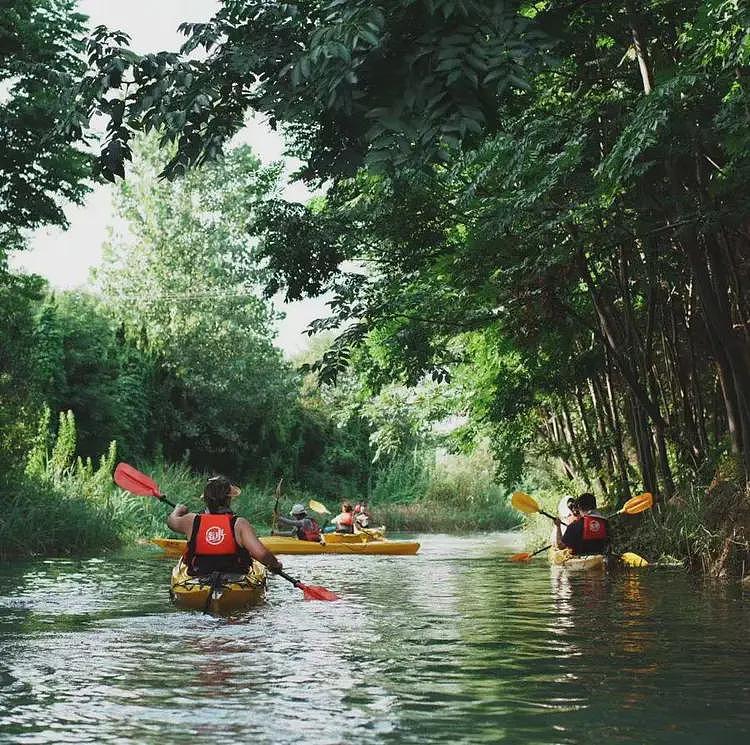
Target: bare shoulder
(183, 523)
(243, 524)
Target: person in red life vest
(219, 540)
(587, 535)
(304, 527)
(344, 521)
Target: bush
(450, 492)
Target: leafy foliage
(41, 42)
(352, 84)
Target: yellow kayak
(565, 559)
(279, 544)
(233, 592)
(372, 534)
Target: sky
(66, 257)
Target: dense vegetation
(169, 362)
(539, 206)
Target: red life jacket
(309, 533)
(212, 546)
(594, 528)
(345, 522)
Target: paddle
(132, 480)
(634, 505)
(528, 557)
(360, 529)
(311, 592)
(525, 503)
(316, 506)
(274, 521)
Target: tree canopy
(42, 162)
(561, 180)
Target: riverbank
(706, 528)
(78, 511)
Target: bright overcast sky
(65, 258)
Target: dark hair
(347, 507)
(587, 501)
(216, 493)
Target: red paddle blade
(521, 557)
(132, 480)
(315, 592)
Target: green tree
(185, 284)
(42, 163)
(586, 205)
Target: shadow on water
(454, 645)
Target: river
(454, 645)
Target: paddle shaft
(366, 532)
(274, 520)
(288, 578)
(539, 551)
(162, 498)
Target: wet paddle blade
(132, 480)
(316, 506)
(633, 560)
(520, 558)
(639, 503)
(524, 503)
(315, 592)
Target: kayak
(565, 559)
(232, 592)
(280, 544)
(372, 534)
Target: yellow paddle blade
(321, 509)
(524, 503)
(521, 557)
(639, 503)
(633, 560)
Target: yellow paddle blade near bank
(524, 503)
(633, 560)
(639, 503)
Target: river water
(454, 645)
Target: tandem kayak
(565, 559)
(279, 544)
(231, 592)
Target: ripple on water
(454, 645)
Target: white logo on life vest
(215, 536)
(595, 526)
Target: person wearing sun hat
(219, 540)
(303, 527)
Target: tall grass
(59, 504)
(62, 505)
(450, 493)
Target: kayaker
(361, 515)
(219, 540)
(303, 527)
(344, 521)
(567, 511)
(587, 535)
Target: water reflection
(454, 645)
